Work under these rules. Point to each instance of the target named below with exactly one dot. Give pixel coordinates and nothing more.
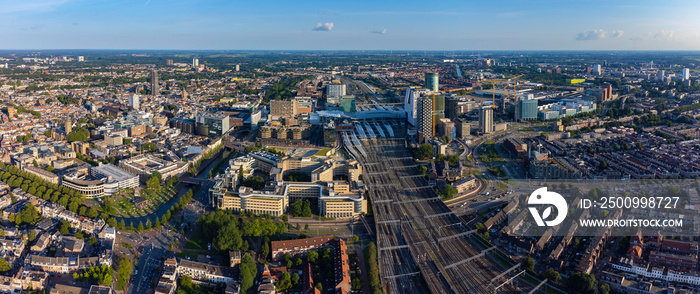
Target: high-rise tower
(432, 81)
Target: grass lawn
(323, 151)
(196, 243)
(185, 253)
(502, 186)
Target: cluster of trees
(4, 265)
(282, 90)
(28, 215)
(102, 275)
(451, 159)
(66, 100)
(68, 198)
(21, 109)
(373, 268)
(255, 182)
(148, 147)
(124, 269)
(586, 284)
(78, 134)
(301, 208)
(424, 151)
(226, 231)
(185, 286)
(285, 282)
(153, 183)
(298, 177)
(248, 272)
(24, 138)
(448, 192)
(193, 170)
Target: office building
(334, 92)
(134, 101)
(447, 128)
(432, 81)
(463, 128)
(425, 117)
(526, 110)
(211, 124)
(195, 62)
(597, 69)
(660, 75)
(455, 106)
(411, 104)
(238, 67)
(686, 74)
(283, 108)
(155, 90)
(438, 108)
(146, 164)
(81, 58)
(114, 178)
(169, 62)
(486, 119)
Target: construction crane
(515, 93)
(493, 91)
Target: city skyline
(364, 25)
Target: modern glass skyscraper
(432, 81)
(526, 110)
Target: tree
(31, 236)
(153, 183)
(604, 288)
(422, 170)
(65, 227)
(244, 246)
(448, 192)
(582, 282)
(552, 275)
(124, 269)
(603, 165)
(265, 251)
(4, 265)
(295, 278)
(528, 263)
(297, 207)
(306, 211)
(228, 238)
(312, 257)
(424, 151)
(248, 272)
(284, 283)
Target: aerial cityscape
(340, 149)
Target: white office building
(134, 101)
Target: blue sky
(350, 25)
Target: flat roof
(115, 172)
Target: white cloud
(664, 35)
(382, 32)
(598, 35)
(323, 26)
